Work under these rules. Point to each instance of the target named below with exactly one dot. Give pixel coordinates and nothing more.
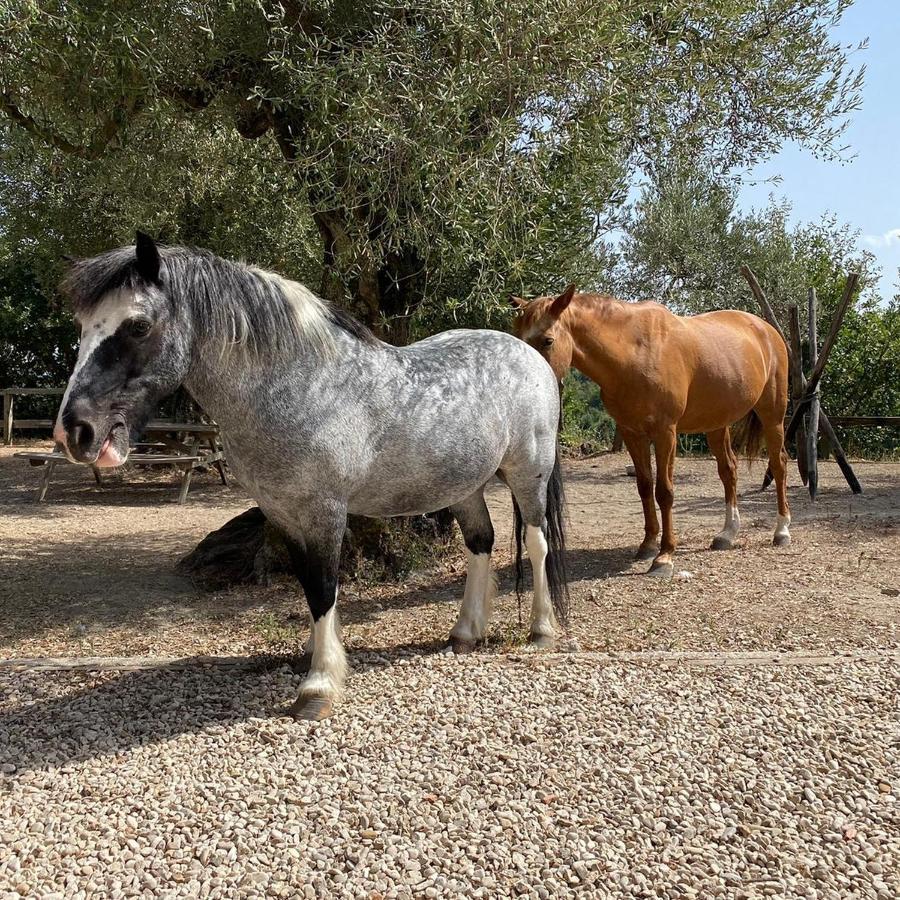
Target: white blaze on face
(97, 325)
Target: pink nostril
(59, 434)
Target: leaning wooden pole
(812, 444)
(838, 451)
(762, 300)
(769, 315)
(818, 368)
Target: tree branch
(93, 150)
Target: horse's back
(701, 371)
(741, 334)
(738, 359)
(453, 410)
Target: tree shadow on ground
(102, 714)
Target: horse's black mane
(229, 300)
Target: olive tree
(440, 152)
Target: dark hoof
(721, 543)
(542, 642)
(662, 570)
(781, 540)
(645, 553)
(460, 646)
(312, 707)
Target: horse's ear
(517, 302)
(558, 307)
(147, 257)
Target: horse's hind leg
(773, 425)
(720, 444)
(530, 495)
(770, 410)
(481, 586)
(639, 449)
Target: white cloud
(888, 239)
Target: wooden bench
(187, 464)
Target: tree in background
(684, 244)
(448, 151)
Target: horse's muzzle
(91, 439)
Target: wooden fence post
(812, 450)
(617, 442)
(797, 390)
(7, 417)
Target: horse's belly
(413, 493)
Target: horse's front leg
(481, 586)
(639, 450)
(665, 443)
(315, 549)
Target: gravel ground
(504, 773)
(486, 776)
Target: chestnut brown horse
(661, 374)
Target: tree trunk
(250, 550)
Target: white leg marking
(329, 662)
(542, 619)
(782, 528)
(732, 524)
(480, 590)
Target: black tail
(555, 532)
(747, 436)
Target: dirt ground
(90, 571)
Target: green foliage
(586, 424)
(37, 339)
(428, 158)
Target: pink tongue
(108, 457)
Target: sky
(863, 191)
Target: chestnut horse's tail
(747, 436)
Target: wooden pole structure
(809, 389)
(617, 442)
(7, 417)
(812, 449)
(839, 455)
(762, 300)
(797, 390)
(819, 367)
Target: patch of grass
(279, 633)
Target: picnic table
(185, 445)
(9, 395)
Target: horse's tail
(747, 436)
(555, 565)
(557, 577)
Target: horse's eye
(548, 343)
(140, 327)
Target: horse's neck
(230, 385)
(599, 339)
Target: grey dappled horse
(320, 419)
